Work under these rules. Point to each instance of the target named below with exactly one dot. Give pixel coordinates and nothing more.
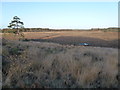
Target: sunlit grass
(52, 65)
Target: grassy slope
(32, 64)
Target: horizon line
(67, 28)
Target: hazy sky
(75, 15)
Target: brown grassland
(95, 38)
(63, 64)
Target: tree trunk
(17, 28)
(18, 31)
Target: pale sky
(58, 15)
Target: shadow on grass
(68, 40)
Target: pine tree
(16, 24)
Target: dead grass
(50, 65)
(95, 38)
(93, 34)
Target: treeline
(38, 30)
(26, 30)
(47, 29)
(106, 29)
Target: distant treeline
(106, 29)
(26, 30)
(47, 29)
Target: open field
(92, 34)
(95, 38)
(37, 62)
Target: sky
(62, 15)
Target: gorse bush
(49, 65)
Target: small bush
(14, 51)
